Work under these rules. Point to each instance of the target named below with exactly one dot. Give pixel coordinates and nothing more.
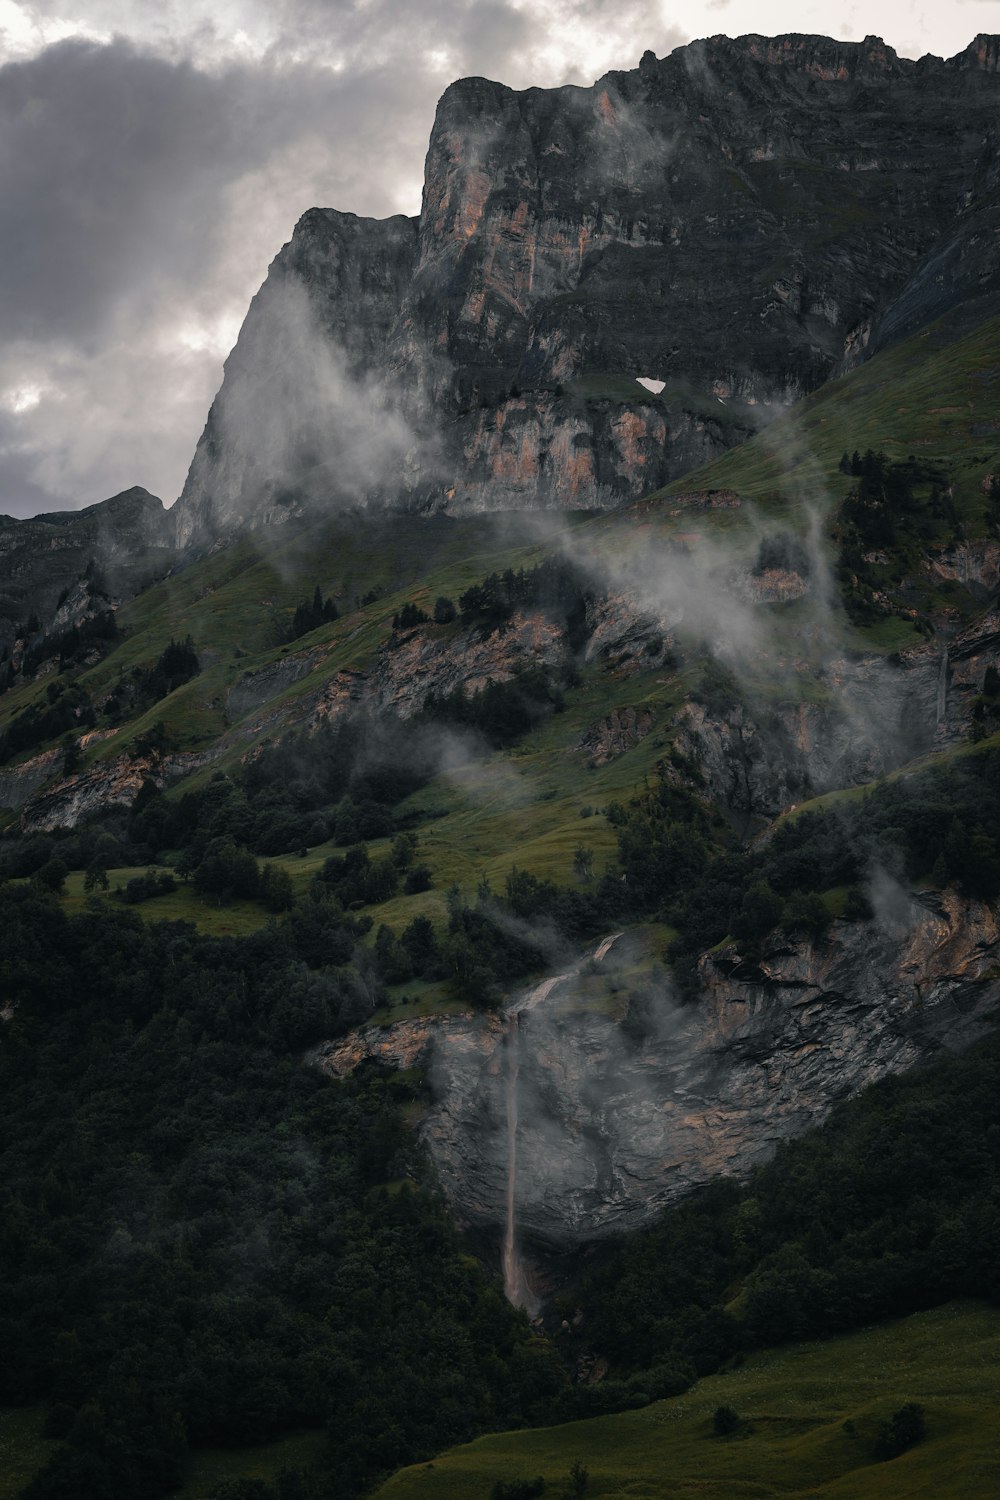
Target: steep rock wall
(621, 1114)
(733, 220)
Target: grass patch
(211, 1466)
(932, 396)
(810, 1415)
(23, 1450)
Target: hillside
(810, 1418)
(485, 721)
(501, 930)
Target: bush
(145, 887)
(724, 1421)
(904, 1430)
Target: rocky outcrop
(616, 733)
(730, 222)
(109, 783)
(260, 686)
(45, 560)
(626, 634)
(863, 716)
(975, 564)
(18, 784)
(112, 783)
(411, 666)
(619, 1116)
(420, 662)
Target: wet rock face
(734, 220)
(617, 1117)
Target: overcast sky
(155, 155)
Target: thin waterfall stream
(942, 686)
(516, 1278)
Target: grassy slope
(926, 396)
(23, 1451)
(797, 1401)
(932, 396)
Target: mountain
(402, 892)
(44, 561)
(741, 221)
(724, 572)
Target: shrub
(724, 1421)
(417, 879)
(904, 1429)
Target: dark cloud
(115, 164)
(149, 172)
(109, 179)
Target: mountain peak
(604, 287)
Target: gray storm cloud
(154, 165)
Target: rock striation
(739, 220)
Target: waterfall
(516, 1281)
(942, 688)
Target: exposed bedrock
(625, 1107)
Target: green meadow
(810, 1416)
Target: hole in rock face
(656, 386)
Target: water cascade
(942, 690)
(516, 1279)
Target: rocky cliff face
(733, 221)
(623, 1107)
(127, 539)
(869, 716)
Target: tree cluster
(886, 522)
(890, 1207)
(310, 614)
(62, 708)
(139, 689)
(204, 1241)
(554, 586)
(501, 712)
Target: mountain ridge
(735, 220)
